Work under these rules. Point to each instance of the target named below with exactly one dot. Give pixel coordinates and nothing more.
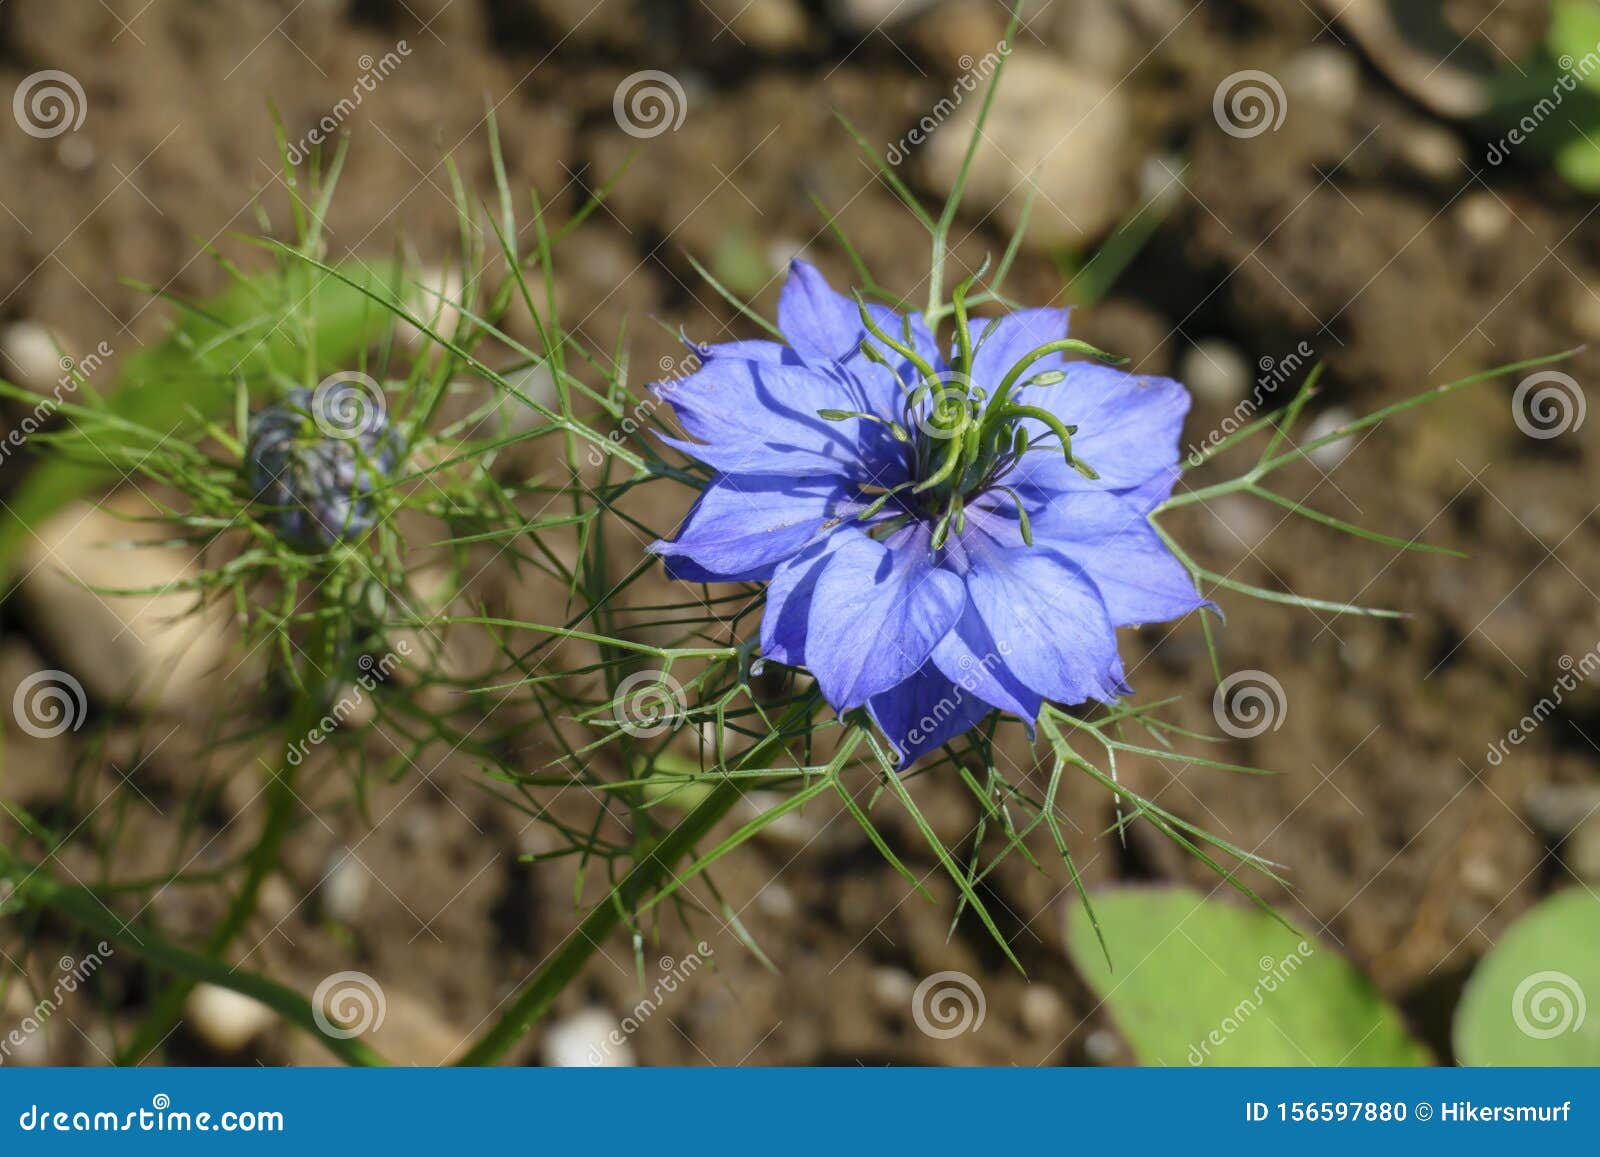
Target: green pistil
(968, 441)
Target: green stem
(83, 907)
(261, 863)
(648, 874)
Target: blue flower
(941, 536)
(314, 469)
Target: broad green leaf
(1528, 1001)
(1194, 981)
(1573, 36)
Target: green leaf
(1574, 32)
(1196, 981)
(1527, 1002)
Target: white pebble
(1215, 371)
(224, 1019)
(584, 1040)
(344, 887)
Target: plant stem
(83, 907)
(647, 874)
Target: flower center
(961, 440)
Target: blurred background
(1229, 191)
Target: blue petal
(877, 612)
(923, 712)
(758, 418)
(767, 352)
(742, 527)
(1128, 428)
(970, 657)
(1109, 537)
(826, 326)
(789, 598)
(999, 345)
(1050, 618)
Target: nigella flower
(314, 459)
(940, 537)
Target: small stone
(893, 988)
(345, 885)
(1558, 809)
(1582, 851)
(1325, 75)
(1047, 120)
(1481, 875)
(1104, 1047)
(1215, 371)
(869, 15)
(1326, 423)
(75, 152)
(1240, 524)
(585, 1040)
(1432, 152)
(1483, 217)
(224, 1019)
(1042, 1009)
(763, 25)
(776, 901)
(1161, 181)
(1583, 310)
(32, 353)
